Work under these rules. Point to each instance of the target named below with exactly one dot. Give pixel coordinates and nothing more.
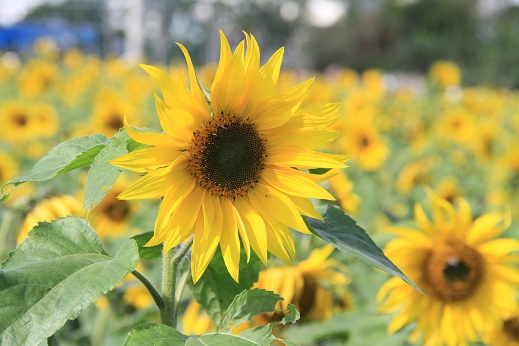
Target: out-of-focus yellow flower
(449, 189)
(342, 188)
(24, 122)
(195, 321)
(466, 274)
(37, 77)
(138, 296)
(48, 210)
(309, 285)
(506, 333)
(416, 173)
(446, 74)
(111, 217)
(373, 83)
(457, 125)
(109, 112)
(8, 167)
(363, 141)
(316, 286)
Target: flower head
(231, 168)
(465, 274)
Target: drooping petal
(254, 227)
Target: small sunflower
(445, 74)
(48, 210)
(363, 140)
(465, 274)
(316, 286)
(109, 112)
(506, 334)
(233, 168)
(111, 217)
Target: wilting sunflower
(232, 168)
(466, 275)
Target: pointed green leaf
(259, 336)
(154, 334)
(72, 154)
(102, 174)
(343, 232)
(55, 274)
(216, 289)
(246, 305)
(147, 252)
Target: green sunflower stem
(171, 264)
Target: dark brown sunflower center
(226, 156)
(511, 327)
(118, 210)
(20, 119)
(364, 142)
(453, 271)
(115, 122)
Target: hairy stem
(171, 262)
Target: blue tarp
(22, 36)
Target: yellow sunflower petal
(147, 158)
(280, 207)
(155, 139)
(295, 185)
(230, 246)
(254, 227)
(292, 156)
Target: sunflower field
(379, 210)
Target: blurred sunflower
(342, 188)
(316, 286)
(445, 74)
(232, 169)
(18, 122)
(37, 77)
(8, 167)
(416, 173)
(48, 210)
(111, 217)
(505, 334)
(23, 122)
(109, 112)
(465, 274)
(362, 139)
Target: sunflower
(342, 188)
(316, 286)
(48, 210)
(466, 275)
(23, 122)
(109, 112)
(506, 334)
(445, 74)
(8, 167)
(365, 143)
(111, 217)
(232, 168)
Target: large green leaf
(53, 275)
(72, 154)
(102, 174)
(343, 232)
(154, 334)
(246, 305)
(216, 289)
